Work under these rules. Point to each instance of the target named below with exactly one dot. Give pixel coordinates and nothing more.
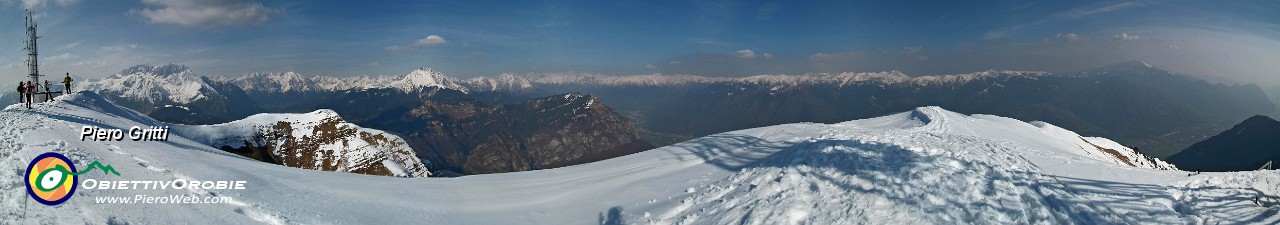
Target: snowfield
(925, 166)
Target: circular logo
(51, 178)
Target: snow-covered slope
(318, 140)
(926, 166)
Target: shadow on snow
(1066, 199)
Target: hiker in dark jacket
(21, 88)
(31, 89)
(66, 81)
(48, 95)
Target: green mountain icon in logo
(93, 165)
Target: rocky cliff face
(473, 138)
(319, 140)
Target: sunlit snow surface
(926, 166)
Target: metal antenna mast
(33, 65)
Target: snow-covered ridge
(1105, 149)
(274, 82)
(156, 84)
(292, 82)
(994, 127)
(504, 82)
(319, 140)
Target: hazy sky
(1235, 40)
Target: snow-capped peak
(157, 84)
(426, 77)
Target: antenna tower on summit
(33, 66)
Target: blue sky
(1230, 40)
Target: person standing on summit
(66, 81)
(29, 90)
(21, 88)
(48, 95)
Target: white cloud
(31, 4)
(839, 56)
(914, 53)
(1073, 14)
(992, 35)
(396, 48)
(476, 56)
(1083, 12)
(92, 64)
(746, 54)
(63, 56)
(1068, 37)
(1126, 37)
(677, 62)
(650, 66)
(430, 40)
(711, 42)
(912, 50)
(375, 64)
(67, 46)
(199, 13)
(767, 56)
(121, 47)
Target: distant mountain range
(1246, 146)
